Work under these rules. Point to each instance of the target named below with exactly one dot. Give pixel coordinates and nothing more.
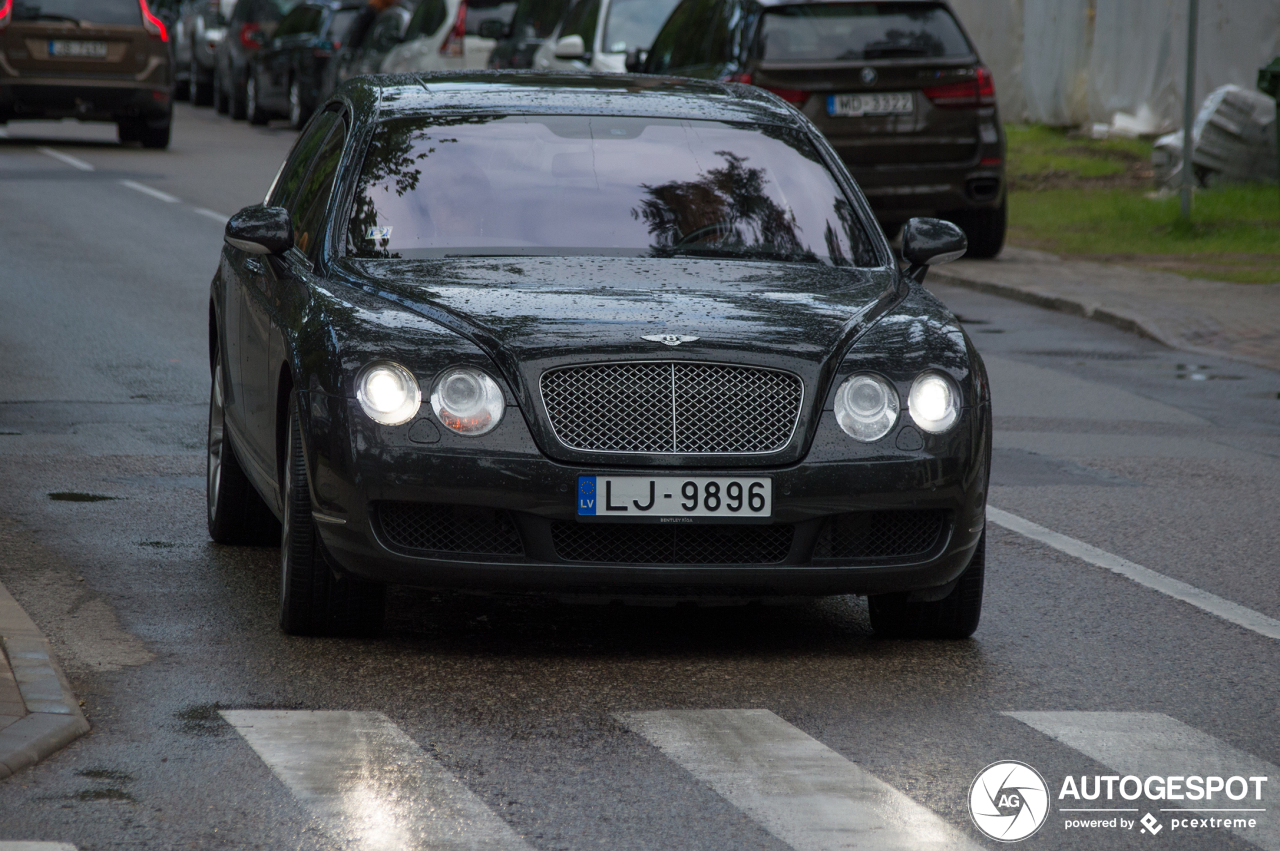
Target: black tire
(221, 97)
(236, 513)
(314, 599)
(156, 137)
(985, 230)
(237, 96)
(129, 131)
(954, 616)
(252, 108)
(182, 89)
(202, 92)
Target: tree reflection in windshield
(725, 210)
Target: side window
(304, 151)
(313, 200)
(294, 22)
(581, 20)
(427, 18)
(686, 36)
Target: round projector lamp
(467, 401)
(934, 403)
(388, 393)
(866, 407)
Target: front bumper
(509, 491)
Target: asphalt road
(534, 724)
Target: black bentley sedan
(628, 336)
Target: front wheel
(954, 616)
(236, 513)
(253, 108)
(298, 112)
(221, 98)
(314, 599)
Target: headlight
(467, 401)
(934, 403)
(388, 393)
(866, 407)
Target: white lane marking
(1179, 590)
(4, 134)
(1151, 744)
(147, 190)
(66, 158)
(370, 784)
(797, 788)
(210, 214)
(21, 845)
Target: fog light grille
(448, 528)
(880, 534)
(622, 543)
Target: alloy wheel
(217, 431)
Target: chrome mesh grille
(690, 408)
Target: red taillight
(453, 42)
(6, 12)
(153, 25)
(796, 97)
(986, 87)
(980, 91)
(249, 34)
(990, 161)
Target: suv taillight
(980, 91)
(153, 25)
(251, 35)
(6, 12)
(453, 42)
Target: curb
(53, 718)
(1132, 323)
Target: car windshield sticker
(378, 232)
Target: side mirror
(928, 242)
(570, 47)
(636, 57)
(493, 28)
(260, 230)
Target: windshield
(634, 23)
(853, 32)
(94, 11)
(633, 187)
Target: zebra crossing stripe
(369, 784)
(1151, 744)
(798, 789)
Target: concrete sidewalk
(39, 713)
(1239, 321)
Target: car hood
(534, 314)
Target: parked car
(453, 47)
(598, 34)
(285, 75)
(897, 88)
(93, 60)
(702, 375)
(363, 53)
(201, 25)
(531, 23)
(251, 25)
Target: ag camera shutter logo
(1008, 801)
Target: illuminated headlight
(467, 401)
(866, 407)
(934, 403)
(388, 393)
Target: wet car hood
(537, 312)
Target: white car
(444, 36)
(596, 34)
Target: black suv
(285, 75)
(252, 24)
(896, 87)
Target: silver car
(200, 27)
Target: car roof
(564, 93)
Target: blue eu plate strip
(587, 495)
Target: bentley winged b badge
(670, 339)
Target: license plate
(673, 499)
(871, 103)
(78, 49)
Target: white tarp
(1074, 62)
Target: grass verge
(1094, 199)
